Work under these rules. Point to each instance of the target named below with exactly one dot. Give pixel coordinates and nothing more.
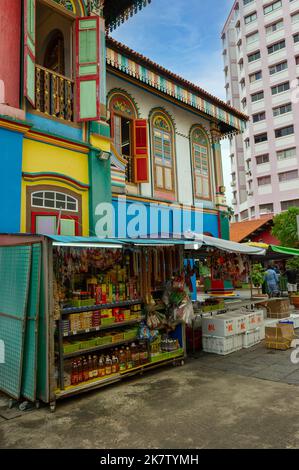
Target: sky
(184, 36)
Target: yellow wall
(39, 157)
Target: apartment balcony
(273, 15)
(263, 169)
(275, 36)
(291, 185)
(294, 5)
(265, 189)
(287, 164)
(54, 94)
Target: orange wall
(10, 37)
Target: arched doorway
(54, 55)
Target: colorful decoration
(131, 67)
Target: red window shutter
(29, 49)
(88, 68)
(141, 170)
(112, 124)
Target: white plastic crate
(218, 345)
(238, 342)
(219, 326)
(251, 338)
(240, 321)
(295, 319)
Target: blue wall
(154, 219)
(11, 147)
(54, 127)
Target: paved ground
(256, 362)
(211, 402)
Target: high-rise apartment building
(261, 65)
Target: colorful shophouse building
(84, 120)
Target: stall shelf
(50, 334)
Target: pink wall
(10, 47)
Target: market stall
(88, 312)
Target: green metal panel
(88, 99)
(31, 335)
(15, 263)
(42, 391)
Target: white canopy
(225, 245)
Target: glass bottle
(108, 366)
(74, 376)
(85, 371)
(80, 371)
(95, 367)
(90, 367)
(101, 367)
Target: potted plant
(257, 276)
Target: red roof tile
(241, 230)
(172, 76)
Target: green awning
(284, 250)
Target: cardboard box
(280, 336)
(278, 316)
(278, 306)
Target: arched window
(163, 154)
(54, 200)
(123, 113)
(54, 56)
(201, 164)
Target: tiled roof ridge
(178, 78)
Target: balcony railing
(129, 169)
(54, 94)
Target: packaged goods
(280, 336)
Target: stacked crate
(230, 332)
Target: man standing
(271, 279)
(291, 275)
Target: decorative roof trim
(143, 69)
(136, 5)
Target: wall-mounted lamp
(102, 155)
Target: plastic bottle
(122, 360)
(101, 367)
(108, 366)
(85, 372)
(135, 355)
(80, 371)
(74, 376)
(129, 358)
(95, 367)
(90, 368)
(115, 367)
